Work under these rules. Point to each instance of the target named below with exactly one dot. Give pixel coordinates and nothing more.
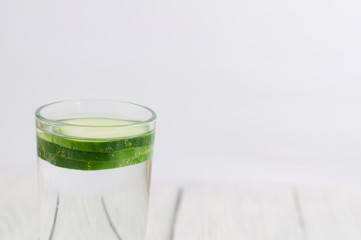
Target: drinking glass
(94, 164)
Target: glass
(94, 163)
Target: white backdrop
(250, 89)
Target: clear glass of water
(94, 163)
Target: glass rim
(39, 116)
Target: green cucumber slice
(79, 146)
(95, 128)
(99, 145)
(55, 149)
(92, 165)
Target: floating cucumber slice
(99, 145)
(94, 144)
(95, 128)
(92, 165)
(55, 149)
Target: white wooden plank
(330, 214)
(237, 212)
(18, 211)
(212, 212)
(161, 212)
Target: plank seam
(300, 217)
(55, 217)
(176, 213)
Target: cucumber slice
(91, 144)
(55, 149)
(92, 165)
(95, 128)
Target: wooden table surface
(214, 212)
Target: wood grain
(18, 210)
(331, 214)
(18, 207)
(236, 212)
(161, 212)
(214, 212)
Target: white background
(244, 89)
